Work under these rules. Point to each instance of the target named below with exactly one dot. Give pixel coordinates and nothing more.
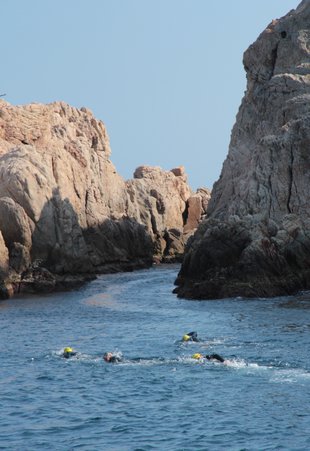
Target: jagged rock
(256, 239)
(197, 205)
(120, 245)
(37, 279)
(175, 242)
(164, 203)
(56, 184)
(157, 199)
(63, 207)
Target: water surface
(158, 398)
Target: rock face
(158, 199)
(256, 240)
(64, 210)
(197, 205)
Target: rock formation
(256, 240)
(163, 202)
(197, 205)
(64, 210)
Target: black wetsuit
(193, 335)
(69, 354)
(114, 359)
(215, 357)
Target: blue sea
(158, 397)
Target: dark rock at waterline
(242, 258)
(40, 280)
(256, 240)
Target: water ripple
(158, 397)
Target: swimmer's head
(186, 337)
(68, 349)
(107, 356)
(197, 356)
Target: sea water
(158, 398)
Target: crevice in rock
(274, 55)
(94, 142)
(153, 223)
(185, 213)
(86, 199)
(270, 196)
(54, 169)
(290, 180)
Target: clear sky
(165, 76)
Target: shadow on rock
(63, 254)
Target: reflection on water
(102, 300)
(301, 300)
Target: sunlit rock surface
(64, 210)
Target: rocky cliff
(256, 240)
(64, 210)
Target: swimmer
(211, 357)
(197, 356)
(111, 358)
(68, 352)
(215, 357)
(191, 336)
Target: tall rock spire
(256, 240)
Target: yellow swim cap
(186, 337)
(68, 349)
(197, 356)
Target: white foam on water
(291, 375)
(278, 375)
(58, 353)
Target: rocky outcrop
(256, 240)
(158, 199)
(164, 203)
(64, 210)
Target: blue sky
(165, 76)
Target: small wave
(289, 375)
(201, 343)
(44, 377)
(240, 363)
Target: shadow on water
(299, 301)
